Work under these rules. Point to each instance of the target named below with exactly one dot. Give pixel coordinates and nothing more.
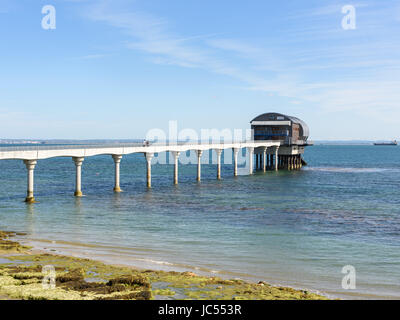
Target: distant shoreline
(102, 141)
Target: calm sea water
(290, 228)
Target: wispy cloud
(362, 68)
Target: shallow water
(290, 228)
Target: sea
(311, 229)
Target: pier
(30, 155)
(278, 142)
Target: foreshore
(23, 276)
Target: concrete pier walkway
(30, 155)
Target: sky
(116, 69)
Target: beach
(23, 270)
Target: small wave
(157, 262)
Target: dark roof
(271, 116)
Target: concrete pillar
(251, 155)
(78, 175)
(265, 159)
(199, 154)
(176, 164)
(257, 161)
(219, 152)
(235, 160)
(117, 161)
(30, 166)
(148, 156)
(276, 158)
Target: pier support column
(265, 159)
(257, 162)
(117, 161)
(149, 156)
(235, 161)
(199, 154)
(78, 175)
(176, 164)
(218, 152)
(30, 166)
(251, 155)
(276, 158)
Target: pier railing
(119, 145)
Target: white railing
(123, 145)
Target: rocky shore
(24, 274)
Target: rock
(190, 274)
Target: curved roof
(271, 116)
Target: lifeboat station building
(290, 131)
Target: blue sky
(115, 69)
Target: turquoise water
(290, 228)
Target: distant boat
(391, 143)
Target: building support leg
(265, 160)
(276, 158)
(251, 155)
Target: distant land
(66, 141)
(105, 141)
